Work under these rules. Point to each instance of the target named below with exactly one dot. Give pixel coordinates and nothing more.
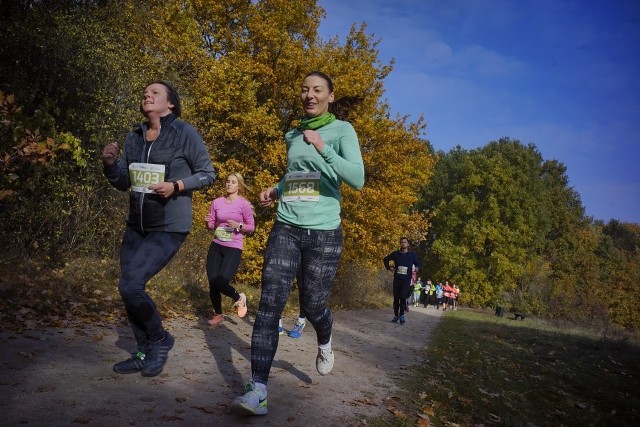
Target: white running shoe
(253, 402)
(324, 361)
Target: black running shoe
(157, 356)
(133, 365)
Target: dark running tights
(401, 291)
(222, 265)
(142, 256)
(317, 253)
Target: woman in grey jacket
(162, 162)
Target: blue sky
(561, 74)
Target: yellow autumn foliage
(238, 66)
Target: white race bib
(143, 175)
(304, 186)
(224, 234)
(402, 270)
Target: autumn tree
(238, 66)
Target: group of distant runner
(408, 287)
(437, 295)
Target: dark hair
(405, 238)
(340, 107)
(172, 96)
(322, 76)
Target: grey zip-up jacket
(180, 148)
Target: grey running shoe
(132, 365)
(157, 356)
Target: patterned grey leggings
(318, 254)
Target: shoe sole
(137, 371)
(156, 373)
(242, 409)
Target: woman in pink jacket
(230, 217)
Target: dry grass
(484, 370)
(33, 293)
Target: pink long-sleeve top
(222, 211)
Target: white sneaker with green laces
(324, 361)
(253, 402)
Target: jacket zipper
(146, 160)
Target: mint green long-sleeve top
(340, 161)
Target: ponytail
(341, 107)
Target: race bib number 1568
(304, 186)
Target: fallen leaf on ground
(464, 400)
(365, 401)
(483, 391)
(428, 410)
(494, 418)
(171, 418)
(206, 409)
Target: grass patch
(484, 370)
(34, 293)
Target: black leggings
(142, 256)
(317, 254)
(222, 265)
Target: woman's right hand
(268, 196)
(110, 153)
(207, 220)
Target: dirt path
(57, 377)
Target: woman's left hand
(313, 137)
(163, 189)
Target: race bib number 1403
(143, 175)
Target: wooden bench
(519, 315)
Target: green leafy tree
(492, 220)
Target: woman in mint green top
(322, 153)
(332, 150)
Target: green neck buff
(314, 123)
